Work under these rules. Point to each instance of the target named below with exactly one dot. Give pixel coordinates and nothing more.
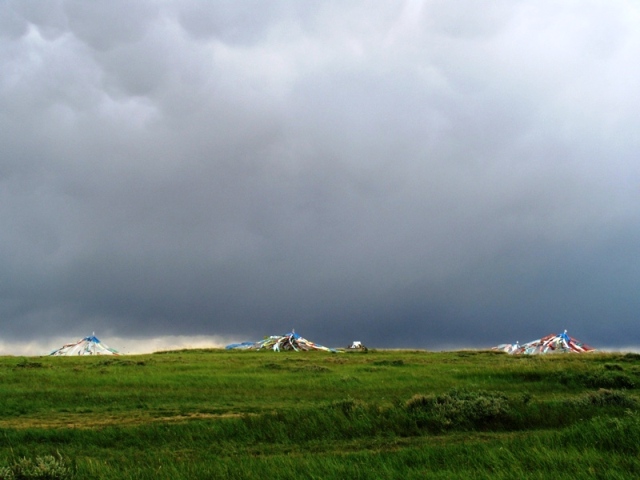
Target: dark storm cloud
(408, 174)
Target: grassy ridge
(386, 414)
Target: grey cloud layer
(464, 174)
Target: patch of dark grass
(459, 409)
(29, 364)
(605, 378)
(348, 406)
(390, 363)
(313, 369)
(529, 376)
(613, 366)
(192, 351)
(604, 398)
(612, 434)
(476, 353)
(273, 366)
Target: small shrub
(526, 397)
(419, 402)
(605, 398)
(348, 406)
(46, 467)
(6, 473)
(459, 409)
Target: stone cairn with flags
(277, 343)
(87, 346)
(553, 343)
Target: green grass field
(382, 414)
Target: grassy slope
(209, 414)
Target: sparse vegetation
(386, 414)
(47, 467)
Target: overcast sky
(425, 174)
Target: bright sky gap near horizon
(409, 174)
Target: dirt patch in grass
(82, 421)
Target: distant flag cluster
(554, 343)
(277, 343)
